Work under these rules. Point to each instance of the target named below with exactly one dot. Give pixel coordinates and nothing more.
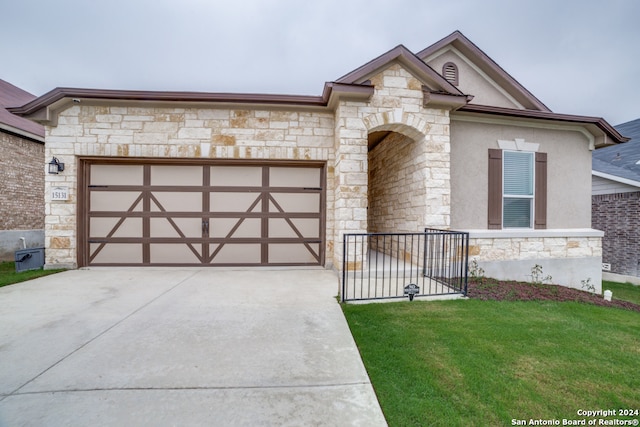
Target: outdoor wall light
(55, 166)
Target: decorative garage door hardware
(203, 214)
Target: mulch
(497, 290)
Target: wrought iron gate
(390, 265)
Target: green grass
(8, 275)
(623, 291)
(484, 363)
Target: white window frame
(531, 197)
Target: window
(450, 73)
(517, 189)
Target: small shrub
(587, 285)
(538, 277)
(475, 271)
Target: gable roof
(408, 60)
(459, 42)
(12, 96)
(620, 162)
(437, 92)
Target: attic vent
(450, 72)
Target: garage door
(202, 214)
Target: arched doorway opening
(397, 183)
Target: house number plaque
(60, 193)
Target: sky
(577, 56)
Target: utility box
(29, 259)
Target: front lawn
(8, 275)
(487, 362)
(623, 291)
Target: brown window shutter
(495, 189)
(541, 191)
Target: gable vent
(450, 72)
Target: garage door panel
(102, 227)
(115, 253)
(117, 175)
(294, 202)
(165, 227)
(176, 175)
(173, 201)
(115, 201)
(203, 214)
(294, 227)
(284, 253)
(294, 177)
(236, 202)
(236, 176)
(241, 253)
(224, 227)
(175, 253)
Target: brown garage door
(202, 214)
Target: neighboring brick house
(444, 138)
(21, 175)
(616, 201)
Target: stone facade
(180, 133)
(534, 248)
(338, 138)
(395, 106)
(570, 257)
(618, 216)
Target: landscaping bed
(502, 290)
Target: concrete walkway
(162, 347)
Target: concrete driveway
(183, 347)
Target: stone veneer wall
(397, 185)
(571, 257)
(533, 248)
(177, 133)
(618, 215)
(338, 137)
(395, 106)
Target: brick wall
(21, 183)
(618, 215)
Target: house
(442, 138)
(21, 176)
(616, 202)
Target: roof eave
(444, 100)
(597, 122)
(615, 178)
(22, 133)
(45, 109)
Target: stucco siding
(472, 81)
(568, 172)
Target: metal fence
(401, 265)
